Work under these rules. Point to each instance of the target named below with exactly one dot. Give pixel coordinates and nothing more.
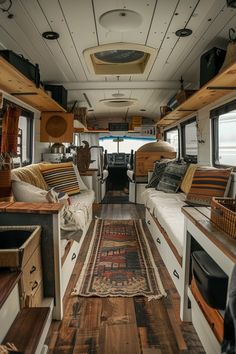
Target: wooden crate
(17, 243)
(183, 95)
(223, 214)
(144, 160)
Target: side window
(224, 139)
(25, 140)
(189, 140)
(172, 137)
(224, 134)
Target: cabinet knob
(35, 285)
(149, 222)
(33, 269)
(73, 256)
(158, 240)
(176, 274)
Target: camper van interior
(117, 176)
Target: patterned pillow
(188, 177)
(157, 173)
(208, 183)
(172, 177)
(61, 176)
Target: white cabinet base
(171, 263)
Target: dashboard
(118, 159)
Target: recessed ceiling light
(120, 20)
(183, 32)
(50, 35)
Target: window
(24, 140)
(224, 134)
(172, 137)
(123, 144)
(189, 140)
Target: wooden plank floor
(122, 325)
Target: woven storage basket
(223, 214)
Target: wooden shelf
(219, 86)
(16, 84)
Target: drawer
(35, 299)
(171, 263)
(32, 243)
(69, 264)
(32, 274)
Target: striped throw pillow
(61, 176)
(208, 183)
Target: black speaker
(231, 3)
(59, 94)
(210, 64)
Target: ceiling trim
(114, 85)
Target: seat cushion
(85, 197)
(166, 207)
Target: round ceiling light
(118, 103)
(183, 32)
(120, 20)
(118, 95)
(50, 35)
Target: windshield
(123, 144)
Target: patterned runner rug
(119, 262)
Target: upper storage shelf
(16, 84)
(214, 89)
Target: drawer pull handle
(158, 240)
(149, 222)
(35, 285)
(73, 256)
(176, 274)
(33, 269)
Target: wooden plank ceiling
(77, 21)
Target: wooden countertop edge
(8, 280)
(225, 244)
(23, 207)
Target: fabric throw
(61, 176)
(159, 168)
(10, 130)
(208, 183)
(172, 177)
(119, 263)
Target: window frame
(165, 137)
(187, 158)
(29, 115)
(214, 116)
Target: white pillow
(82, 185)
(26, 192)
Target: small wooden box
(184, 95)
(17, 243)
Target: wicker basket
(223, 214)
